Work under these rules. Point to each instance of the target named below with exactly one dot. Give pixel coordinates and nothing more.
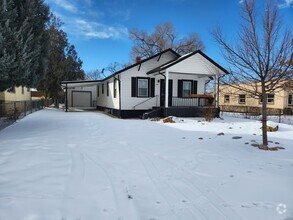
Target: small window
(115, 87)
(27, 89)
(270, 99)
(226, 99)
(22, 90)
(107, 88)
(290, 99)
(142, 85)
(186, 89)
(103, 88)
(11, 90)
(241, 99)
(98, 89)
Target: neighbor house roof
(183, 57)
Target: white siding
(108, 101)
(196, 64)
(129, 102)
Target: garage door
(81, 98)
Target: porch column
(66, 99)
(167, 89)
(217, 90)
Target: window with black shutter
(180, 82)
(186, 88)
(133, 87)
(107, 88)
(115, 88)
(142, 87)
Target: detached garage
(81, 94)
(81, 98)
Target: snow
(87, 165)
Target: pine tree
(74, 65)
(23, 42)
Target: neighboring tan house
(16, 94)
(281, 98)
(14, 99)
(166, 82)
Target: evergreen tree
(74, 65)
(23, 42)
(63, 63)
(9, 36)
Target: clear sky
(99, 28)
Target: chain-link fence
(251, 112)
(11, 111)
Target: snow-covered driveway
(88, 166)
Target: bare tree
(163, 37)
(94, 75)
(114, 67)
(261, 60)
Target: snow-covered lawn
(89, 166)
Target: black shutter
(152, 87)
(194, 87)
(180, 84)
(133, 87)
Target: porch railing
(191, 101)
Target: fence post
(25, 108)
(280, 115)
(246, 112)
(14, 111)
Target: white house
(166, 84)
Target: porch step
(156, 112)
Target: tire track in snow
(128, 211)
(213, 198)
(208, 197)
(171, 195)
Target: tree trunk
(264, 116)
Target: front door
(162, 92)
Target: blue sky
(99, 28)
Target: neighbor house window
(142, 85)
(115, 88)
(28, 89)
(98, 89)
(22, 90)
(103, 88)
(186, 92)
(241, 99)
(11, 90)
(107, 88)
(270, 99)
(290, 99)
(226, 98)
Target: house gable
(196, 62)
